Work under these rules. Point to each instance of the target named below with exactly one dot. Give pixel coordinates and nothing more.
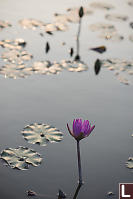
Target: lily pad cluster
(102, 5)
(119, 66)
(21, 157)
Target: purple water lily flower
(81, 129)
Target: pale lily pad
(16, 56)
(21, 157)
(41, 134)
(111, 36)
(102, 5)
(129, 163)
(72, 15)
(120, 66)
(56, 26)
(31, 23)
(74, 66)
(13, 44)
(116, 17)
(15, 71)
(4, 24)
(102, 27)
(46, 67)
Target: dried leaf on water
(41, 134)
(21, 157)
(99, 49)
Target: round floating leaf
(74, 66)
(31, 23)
(16, 56)
(13, 44)
(21, 157)
(102, 5)
(41, 134)
(116, 17)
(102, 27)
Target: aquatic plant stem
(79, 163)
(77, 57)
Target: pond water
(59, 98)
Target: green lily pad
(129, 163)
(21, 157)
(41, 134)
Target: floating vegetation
(116, 17)
(102, 5)
(74, 66)
(118, 65)
(111, 36)
(56, 26)
(15, 71)
(16, 56)
(99, 49)
(46, 67)
(102, 27)
(13, 44)
(71, 16)
(41, 134)
(31, 23)
(21, 157)
(4, 24)
(129, 163)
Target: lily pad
(16, 56)
(72, 15)
(13, 44)
(120, 66)
(41, 134)
(102, 27)
(31, 23)
(15, 71)
(111, 36)
(21, 157)
(102, 5)
(116, 17)
(74, 66)
(46, 67)
(129, 163)
(4, 24)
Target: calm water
(58, 99)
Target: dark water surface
(58, 99)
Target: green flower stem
(79, 163)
